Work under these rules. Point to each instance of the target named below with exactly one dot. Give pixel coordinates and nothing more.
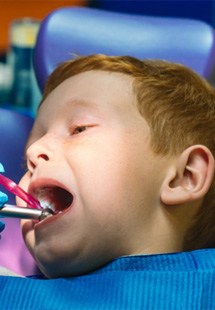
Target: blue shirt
(179, 281)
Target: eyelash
(79, 129)
(75, 130)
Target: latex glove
(3, 200)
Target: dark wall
(197, 9)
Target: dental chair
(14, 130)
(73, 31)
(82, 31)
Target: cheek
(107, 176)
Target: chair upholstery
(14, 129)
(82, 31)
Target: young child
(123, 151)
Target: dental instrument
(14, 211)
(15, 189)
(33, 211)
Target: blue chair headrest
(84, 31)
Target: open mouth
(55, 198)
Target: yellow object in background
(24, 32)
(11, 10)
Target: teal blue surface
(1, 168)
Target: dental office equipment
(34, 209)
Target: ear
(190, 177)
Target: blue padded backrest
(14, 130)
(84, 31)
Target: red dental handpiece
(15, 189)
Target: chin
(55, 265)
(61, 269)
(51, 266)
(55, 271)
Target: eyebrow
(88, 103)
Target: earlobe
(190, 178)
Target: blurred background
(20, 21)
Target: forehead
(91, 88)
(105, 94)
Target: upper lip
(52, 193)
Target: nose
(40, 151)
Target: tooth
(45, 204)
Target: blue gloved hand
(3, 200)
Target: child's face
(90, 140)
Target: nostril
(43, 156)
(32, 163)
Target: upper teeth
(46, 204)
(42, 197)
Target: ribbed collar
(182, 261)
